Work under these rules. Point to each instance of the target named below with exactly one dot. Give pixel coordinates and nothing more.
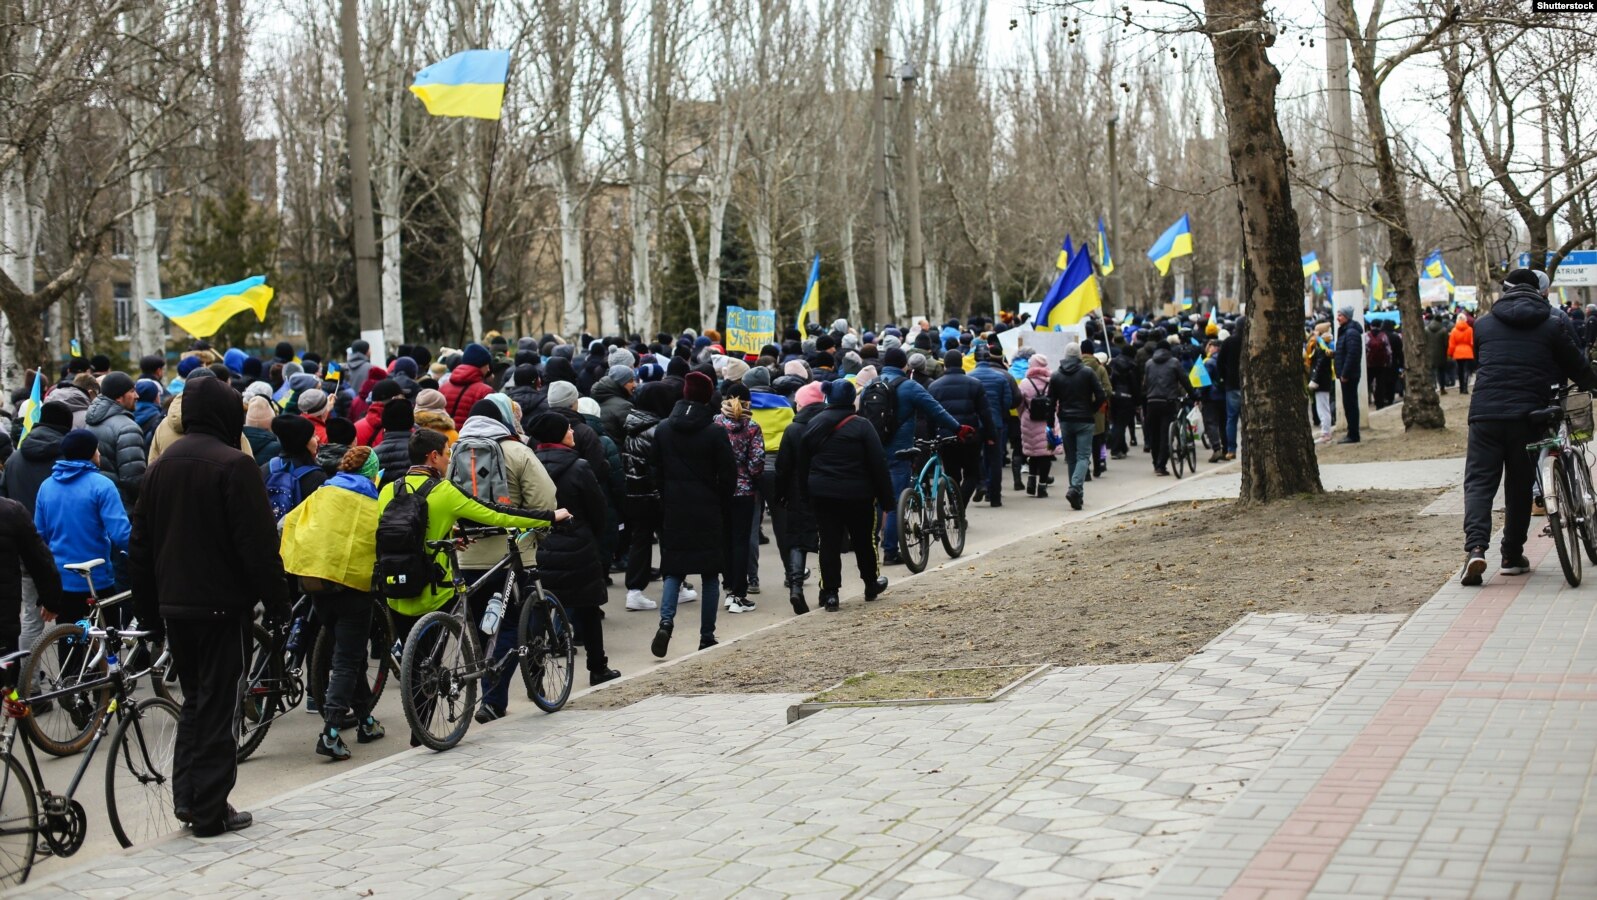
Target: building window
(293, 322)
(122, 297)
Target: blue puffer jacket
(965, 399)
(1000, 389)
(79, 514)
(913, 401)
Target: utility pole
(360, 181)
(917, 253)
(878, 185)
(1117, 289)
(1344, 248)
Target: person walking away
(1524, 351)
(1322, 378)
(642, 511)
(79, 515)
(697, 475)
(24, 558)
(1000, 388)
(357, 365)
(110, 417)
(772, 412)
(893, 404)
(203, 553)
(1231, 377)
(468, 383)
(1166, 384)
(965, 398)
(1100, 416)
(748, 453)
(1461, 350)
(1378, 356)
(28, 468)
(1038, 418)
(329, 545)
(1124, 388)
(1213, 401)
(797, 530)
(393, 449)
(614, 395)
(1076, 396)
(1349, 362)
(258, 416)
(1436, 339)
(569, 558)
(845, 482)
(292, 477)
(147, 411)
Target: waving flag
(1065, 252)
(1176, 241)
(30, 407)
(202, 313)
(1073, 295)
(1198, 375)
(470, 84)
(1106, 263)
(1311, 264)
(811, 307)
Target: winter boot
(1031, 485)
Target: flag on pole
(1198, 375)
(1377, 291)
(1436, 267)
(77, 348)
(202, 313)
(1065, 252)
(1106, 263)
(811, 307)
(1176, 241)
(30, 407)
(470, 84)
(1073, 295)
(1311, 264)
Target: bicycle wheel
(951, 518)
(138, 776)
(19, 822)
(550, 664)
(163, 680)
(914, 538)
(1562, 520)
(438, 680)
(263, 692)
(1588, 515)
(1173, 448)
(61, 659)
(1192, 450)
(381, 645)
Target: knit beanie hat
(548, 428)
(562, 395)
(621, 373)
(953, 361)
(798, 368)
(188, 364)
(758, 376)
(809, 394)
(406, 365)
(475, 355)
(840, 393)
(79, 443)
(894, 356)
(621, 356)
(340, 431)
(429, 398)
(385, 390)
(116, 384)
(588, 406)
(295, 433)
(650, 372)
(148, 390)
(697, 388)
(313, 402)
(398, 415)
(258, 413)
(56, 415)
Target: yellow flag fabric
(332, 535)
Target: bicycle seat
(907, 454)
(440, 545)
(11, 669)
(1540, 417)
(84, 568)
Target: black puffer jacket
(1349, 351)
(21, 549)
(697, 472)
(204, 542)
(393, 454)
(532, 400)
(1075, 391)
(965, 398)
(1523, 352)
(569, 556)
(31, 464)
(1165, 379)
(637, 453)
(614, 403)
(589, 447)
(122, 456)
(1124, 377)
(791, 477)
(844, 459)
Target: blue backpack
(282, 486)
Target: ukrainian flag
(1311, 264)
(1437, 268)
(203, 313)
(29, 411)
(1106, 265)
(1065, 252)
(1073, 295)
(1198, 376)
(470, 84)
(1377, 291)
(1176, 241)
(811, 307)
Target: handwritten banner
(748, 330)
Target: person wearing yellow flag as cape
(330, 544)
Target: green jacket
(445, 506)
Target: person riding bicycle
(913, 402)
(847, 485)
(1522, 354)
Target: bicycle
(138, 773)
(274, 682)
(930, 506)
(441, 667)
(1183, 441)
(385, 650)
(64, 657)
(1561, 463)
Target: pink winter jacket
(1033, 433)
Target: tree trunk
(764, 244)
(149, 328)
(1278, 459)
(572, 283)
(850, 272)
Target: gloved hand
(1313, 386)
(966, 433)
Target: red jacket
(369, 430)
(464, 388)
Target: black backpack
(405, 568)
(878, 405)
(1040, 408)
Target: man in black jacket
(965, 398)
(1231, 378)
(847, 487)
(28, 468)
(1125, 384)
(23, 557)
(1522, 350)
(1077, 395)
(1349, 366)
(203, 553)
(1165, 385)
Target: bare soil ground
(1149, 586)
(1383, 437)
(920, 684)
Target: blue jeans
(898, 470)
(1078, 452)
(497, 695)
(709, 601)
(1233, 415)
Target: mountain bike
(274, 675)
(138, 775)
(929, 507)
(1183, 439)
(441, 665)
(1563, 479)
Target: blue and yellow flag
(470, 84)
(77, 348)
(1065, 252)
(1198, 375)
(811, 307)
(203, 313)
(1311, 264)
(1073, 295)
(1436, 267)
(30, 407)
(1377, 291)
(1176, 241)
(1106, 263)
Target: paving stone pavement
(715, 796)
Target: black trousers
(209, 656)
(1466, 368)
(962, 462)
(852, 520)
(1383, 381)
(1156, 430)
(1214, 423)
(643, 523)
(1350, 406)
(347, 616)
(1122, 420)
(992, 458)
(739, 530)
(1497, 454)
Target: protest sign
(747, 330)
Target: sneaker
(891, 559)
(369, 730)
(331, 745)
(636, 601)
(597, 678)
(1515, 565)
(754, 584)
(1161, 472)
(707, 643)
(736, 604)
(1474, 567)
(662, 641)
(488, 714)
(312, 705)
(232, 820)
(686, 593)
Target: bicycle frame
(460, 608)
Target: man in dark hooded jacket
(28, 468)
(203, 553)
(1522, 350)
